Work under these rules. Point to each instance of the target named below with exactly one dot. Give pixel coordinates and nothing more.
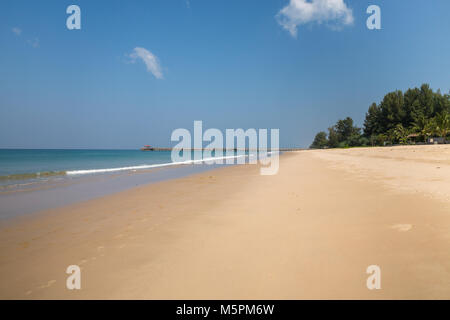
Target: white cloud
(34, 43)
(300, 12)
(150, 60)
(17, 31)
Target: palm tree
(381, 139)
(401, 134)
(442, 122)
(424, 127)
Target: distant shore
(308, 232)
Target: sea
(32, 180)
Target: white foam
(149, 166)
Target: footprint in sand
(82, 262)
(48, 284)
(402, 227)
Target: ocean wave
(149, 166)
(37, 175)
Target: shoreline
(56, 194)
(85, 184)
(232, 233)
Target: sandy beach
(308, 232)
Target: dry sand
(308, 232)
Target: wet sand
(309, 232)
(41, 196)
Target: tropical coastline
(233, 152)
(416, 116)
(250, 236)
(29, 182)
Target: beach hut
(412, 137)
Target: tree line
(400, 118)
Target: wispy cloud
(17, 31)
(149, 59)
(334, 13)
(34, 42)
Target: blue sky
(228, 63)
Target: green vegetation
(400, 118)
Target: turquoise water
(14, 163)
(28, 195)
(34, 180)
(22, 166)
